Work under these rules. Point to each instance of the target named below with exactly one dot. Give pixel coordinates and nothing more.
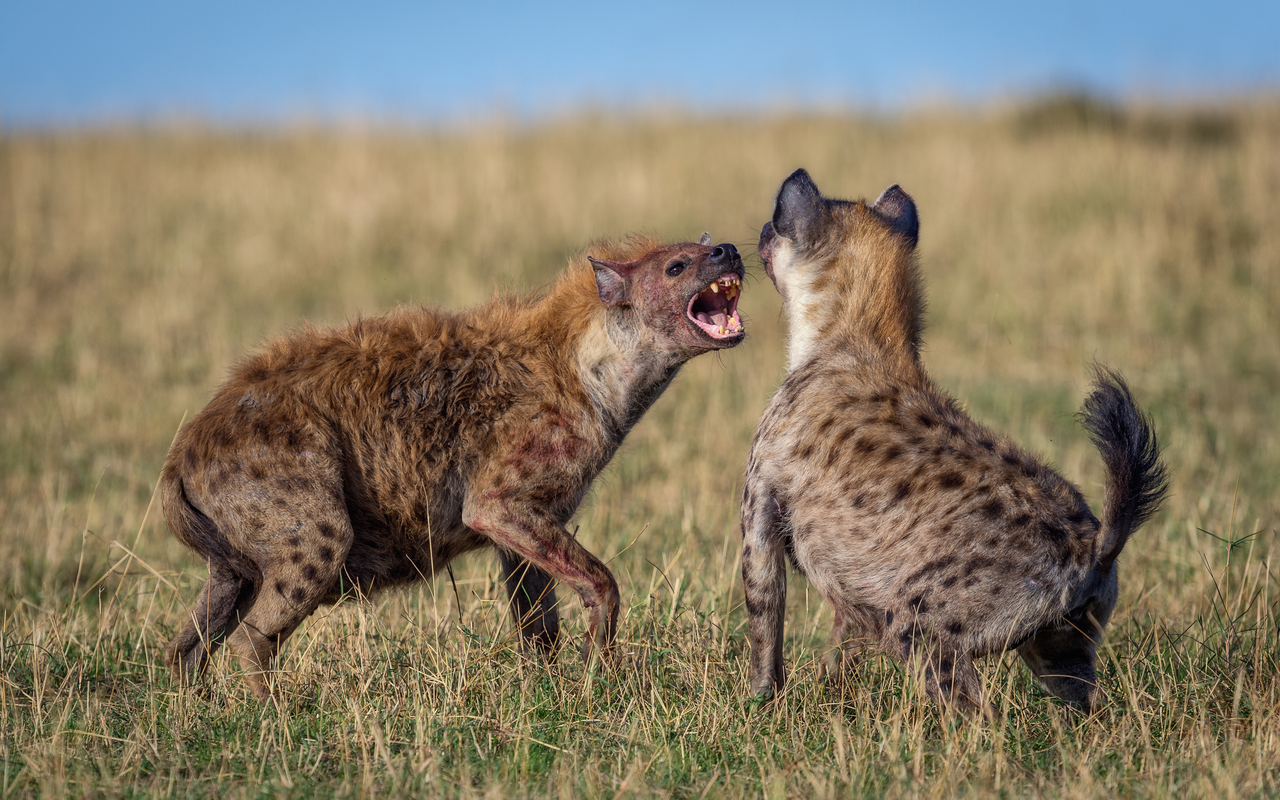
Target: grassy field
(136, 265)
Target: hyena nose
(723, 254)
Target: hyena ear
(798, 207)
(611, 280)
(898, 209)
(705, 240)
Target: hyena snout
(765, 249)
(724, 255)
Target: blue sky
(72, 62)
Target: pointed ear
(798, 206)
(705, 240)
(611, 280)
(898, 209)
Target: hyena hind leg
(291, 589)
(223, 600)
(533, 603)
(844, 649)
(1063, 659)
(950, 678)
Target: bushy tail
(1137, 481)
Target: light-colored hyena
(349, 460)
(935, 540)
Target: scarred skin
(350, 460)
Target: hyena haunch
(935, 540)
(361, 458)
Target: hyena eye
(675, 268)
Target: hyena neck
(618, 364)
(622, 376)
(863, 297)
(805, 319)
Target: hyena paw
(763, 687)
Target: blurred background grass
(138, 263)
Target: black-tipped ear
(705, 240)
(798, 207)
(898, 209)
(611, 281)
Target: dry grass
(136, 265)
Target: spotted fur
(936, 540)
(350, 460)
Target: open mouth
(715, 308)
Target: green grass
(136, 265)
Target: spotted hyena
(935, 540)
(349, 460)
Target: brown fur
(350, 460)
(934, 539)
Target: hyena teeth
(715, 288)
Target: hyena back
(350, 460)
(935, 540)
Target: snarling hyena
(935, 540)
(350, 460)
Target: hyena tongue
(714, 309)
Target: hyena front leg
(950, 677)
(764, 581)
(952, 681)
(535, 536)
(533, 602)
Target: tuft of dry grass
(137, 264)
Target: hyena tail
(1137, 481)
(191, 527)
